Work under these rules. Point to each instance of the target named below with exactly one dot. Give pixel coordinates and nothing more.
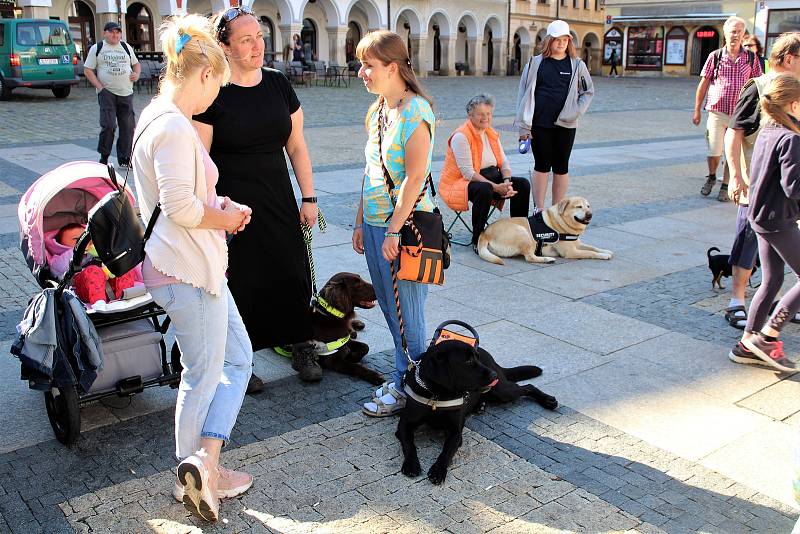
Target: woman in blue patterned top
(403, 112)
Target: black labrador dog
(459, 379)
(333, 318)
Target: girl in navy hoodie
(773, 214)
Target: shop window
(676, 38)
(139, 24)
(612, 40)
(352, 40)
(781, 21)
(308, 36)
(268, 33)
(645, 48)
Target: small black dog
(719, 265)
(466, 377)
(333, 319)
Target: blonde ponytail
(781, 92)
(189, 45)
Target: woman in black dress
(247, 128)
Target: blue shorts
(744, 251)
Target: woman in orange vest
(476, 169)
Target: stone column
(35, 9)
(337, 42)
(447, 65)
(525, 55)
(499, 62)
(418, 45)
(106, 11)
(219, 5)
(287, 30)
(475, 56)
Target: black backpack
(751, 57)
(116, 230)
(114, 226)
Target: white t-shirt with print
(113, 67)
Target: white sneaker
(230, 484)
(197, 496)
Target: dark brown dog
(334, 318)
(453, 370)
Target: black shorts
(744, 251)
(551, 148)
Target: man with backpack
(112, 68)
(724, 74)
(740, 138)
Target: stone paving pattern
(656, 432)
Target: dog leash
(308, 238)
(390, 187)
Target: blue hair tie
(182, 40)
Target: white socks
(388, 399)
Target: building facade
(529, 20)
(670, 37)
(774, 17)
(444, 38)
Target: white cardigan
(168, 168)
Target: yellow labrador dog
(567, 220)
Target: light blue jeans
(412, 302)
(216, 356)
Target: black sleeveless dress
(268, 266)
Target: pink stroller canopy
(62, 196)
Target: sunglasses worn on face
(231, 14)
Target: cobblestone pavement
(657, 431)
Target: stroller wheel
(64, 413)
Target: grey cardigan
(577, 103)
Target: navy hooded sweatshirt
(775, 180)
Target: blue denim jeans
(216, 356)
(412, 302)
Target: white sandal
(383, 409)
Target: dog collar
(323, 304)
(433, 403)
(333, 346)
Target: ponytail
(780, 94)
(189, 45)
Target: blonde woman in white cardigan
(184, 269)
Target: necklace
(386, 123)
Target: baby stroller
(132, 350)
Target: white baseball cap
(558, 28)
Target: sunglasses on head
(231, 14)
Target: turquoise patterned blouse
(377, 205)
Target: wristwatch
(312, 200)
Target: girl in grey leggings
(773, 214)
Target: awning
(687, 18)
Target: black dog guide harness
(439, 335)
(544, 235)
(433, 401)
